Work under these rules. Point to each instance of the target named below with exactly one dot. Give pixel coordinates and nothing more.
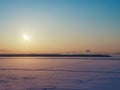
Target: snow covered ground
(60, 73)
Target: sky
(59, 26)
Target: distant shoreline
(54, 55)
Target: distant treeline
(54, 55)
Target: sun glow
(26, 37)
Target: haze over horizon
(59, 26)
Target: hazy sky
(55, 26)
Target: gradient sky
(56, 26)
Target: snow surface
(60, 73)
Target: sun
(26, 37)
